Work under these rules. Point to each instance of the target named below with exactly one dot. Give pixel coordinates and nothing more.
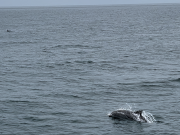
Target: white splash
(149, 117)
(126, 107)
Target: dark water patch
(66, 96)
(34, 119)
(19, 42)
(57, 65)
(26, 66)
(166, 94)
(36, 89)
(61, 113)
(112, 92)
(77, 121)
(70, 46)
(44, 81)
(151, 85)
(62, 64)
(126, 84)
(87, 103)
(23, 104)
(82, 52)
(85, 62)
(48, 51)
(70, 96)
(17, 101)
(176, 80)
(159, 118)
(68, 62)
(160, 84)
(76, 96)
(105, 61)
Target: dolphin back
(121, 114)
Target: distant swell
(70, 46)
(176, 80)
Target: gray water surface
(63, 69)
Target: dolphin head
(140, 114)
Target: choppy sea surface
(63, 69)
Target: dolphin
(128, 114)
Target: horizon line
(79, 5)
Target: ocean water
(63, 69)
